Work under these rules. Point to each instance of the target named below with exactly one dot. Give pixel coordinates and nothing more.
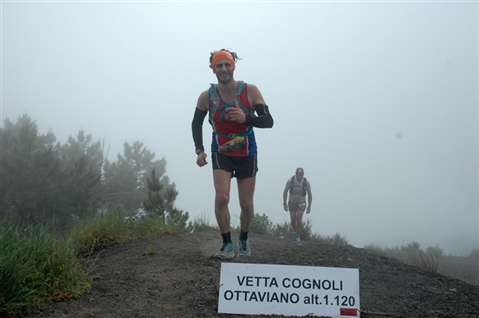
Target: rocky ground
(176, 276)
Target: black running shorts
(241, 167)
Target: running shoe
(243, 247)
(226, 251)
(298, 240)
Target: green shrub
(148, 227)
(104, 230)
(306, 232)
(282, 230)
(375, 248)
(412, 254)
(37, 265)
(261, 224)
(337, 239)
(113, 228)
(435, 250)
(474, 253)
(470, 279)
(415, 256)
(201, 223)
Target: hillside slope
(176, 276)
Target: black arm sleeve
(263, 120)
(197, 128)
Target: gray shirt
(297, 194)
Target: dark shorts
(295, 206)
(241, 167)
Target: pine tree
(44, 182)
(161, 202)
(125, 179)
(81, 162)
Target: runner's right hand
(201, 159)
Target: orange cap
(222, 55)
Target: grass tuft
(39, 265)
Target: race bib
(236, 144)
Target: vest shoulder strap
(215, 98)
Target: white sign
(288, 290)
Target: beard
(225, 78)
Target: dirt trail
(181, 279)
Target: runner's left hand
(235, 113)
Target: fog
(377, 101)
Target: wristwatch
(197, 151)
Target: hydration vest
(215, 106)
(305, 185)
